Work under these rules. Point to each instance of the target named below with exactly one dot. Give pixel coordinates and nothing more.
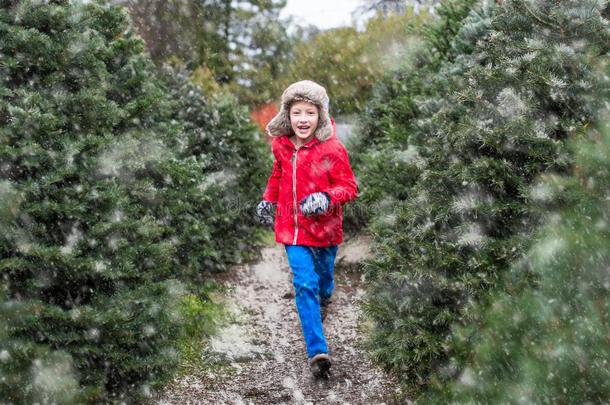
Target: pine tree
(104, 206)
(219, 142)
(83, 275)
(381, 155)
(549, 344)
(521, 87)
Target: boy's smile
(303, 120)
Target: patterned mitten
(265, 212)
(315, 203)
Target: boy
(310, 181)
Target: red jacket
(320, 166)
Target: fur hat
(305, 90)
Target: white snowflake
(541, 192)
(4, 356)
(546, 251)
(472, 236)
(117, 216)
(53, 379)
(510, 104)
(100, 266)
(409, 155)
(149, 330)
(75, 236)
(467, 377)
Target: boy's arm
(343, 187)
(273, 185)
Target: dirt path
(261, 353)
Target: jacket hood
(305, 90)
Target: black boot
(320, 365)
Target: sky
(322, 13)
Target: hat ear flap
(324, 130)
(280, 124)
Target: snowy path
(263, 353)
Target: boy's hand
(315, 203)
(265, 212)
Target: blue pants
(313, 279)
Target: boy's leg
(324, 262)
(306, 287)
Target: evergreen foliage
(111, 204)
(391, 116)
(219, 138)
(516, 83)
(549, 344)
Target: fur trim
(305, 90)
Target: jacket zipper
(294, 195)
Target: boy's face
(304, 119)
